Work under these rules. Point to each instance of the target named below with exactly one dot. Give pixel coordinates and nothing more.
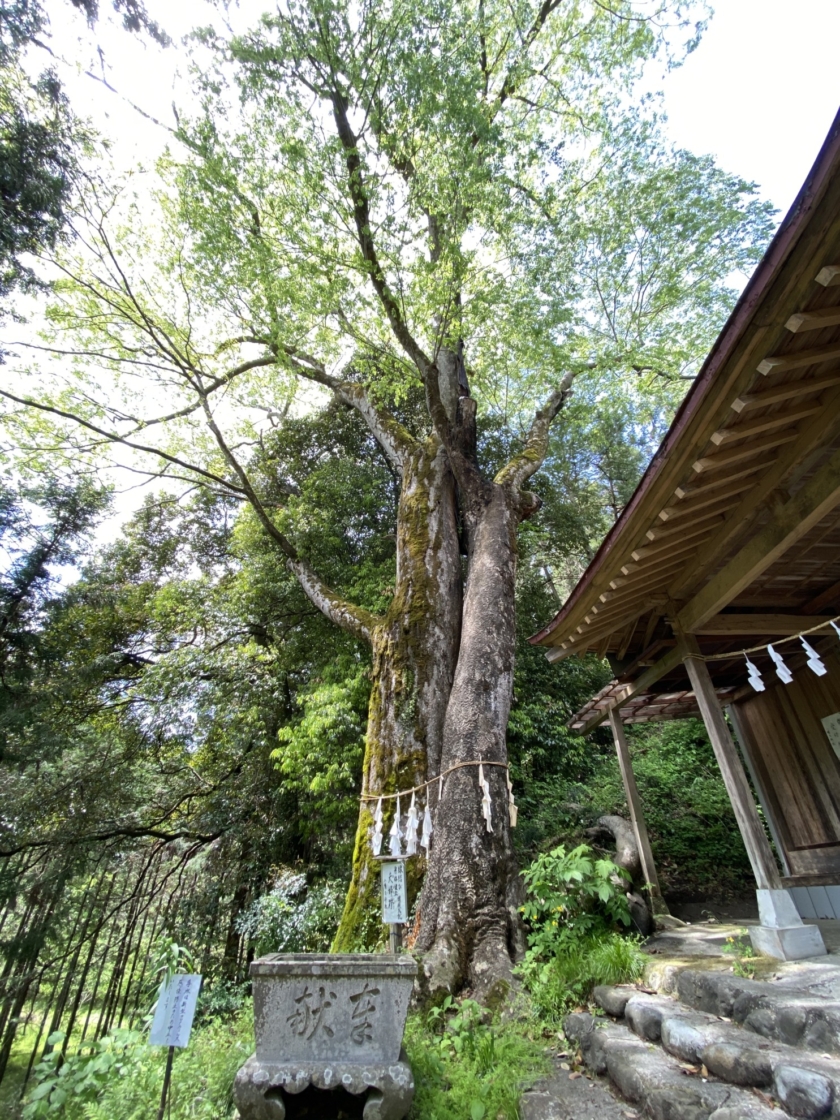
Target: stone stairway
(720, 1047)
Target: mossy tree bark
(471, 930)
(414, 651)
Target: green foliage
(571, 896)
(567, 980)
(321, 754)
(64, 1086)
(741, 948)
(121, 1076)
(696, 842)
(575, 907)
(293, 917)
(467, 1066)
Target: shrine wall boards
(796, 768)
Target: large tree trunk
(469, 921)
(414, 651)
(470, 927)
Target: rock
(802, 1092)
(644, 1014)
(578, 1024)
(683, 1038)
(613, 1000)
(739, 1065)
(563, 1098)
(746, 1111)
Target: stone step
(805, 1083)
(654, 1082)
(785, 1011)
(566, 1095)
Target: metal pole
(395, 938)
(167, 1077)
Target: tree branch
(361, 214)
(394, 439)
(349, 617)
(529, 460)
(115, 437)
(344, 614)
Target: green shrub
(567, 980)
(572, 896)
(63, 1088)
(294, 917)
(576, 907)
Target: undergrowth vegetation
(577, 912)
(468, 1066)
(467, 1063)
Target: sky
(759, 93)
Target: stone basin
(348, 1007)
(332, 1022)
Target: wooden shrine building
(731, 543)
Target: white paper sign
(832, 730)
(175, 1009)
(394, 893)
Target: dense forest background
(182, 735)
(181, 730)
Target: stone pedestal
(331, 1022)
(781, 933)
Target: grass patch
(468, 1068)
(568, 979)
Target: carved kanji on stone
(309, 1013)
(363, 1012)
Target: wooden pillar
(637, 818)
(740, 795)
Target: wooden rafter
(814, 320)
(767, 423)
(757, 624)
(789, 524)
(785, 392)
(809, 436)
(780, 363)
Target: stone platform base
(261, 1087)
(781, 933)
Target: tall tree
(442, 215)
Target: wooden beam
(829, 276)
(678, 531)
(765, 424)
(814, 320)
(717, 503)
(719, 485)
(635, 688)
(813, 431)
(740, 795)
(745, 451)
(670, 550)
(824, 599)
(757, 624)
(779, 363)
(789, 523)
(785, 392)
(637, 816)
(630, 582)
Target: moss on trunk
(414, 652)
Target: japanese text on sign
(832, 730)
(394, 893)
(311, 1007)
(174, 1013)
